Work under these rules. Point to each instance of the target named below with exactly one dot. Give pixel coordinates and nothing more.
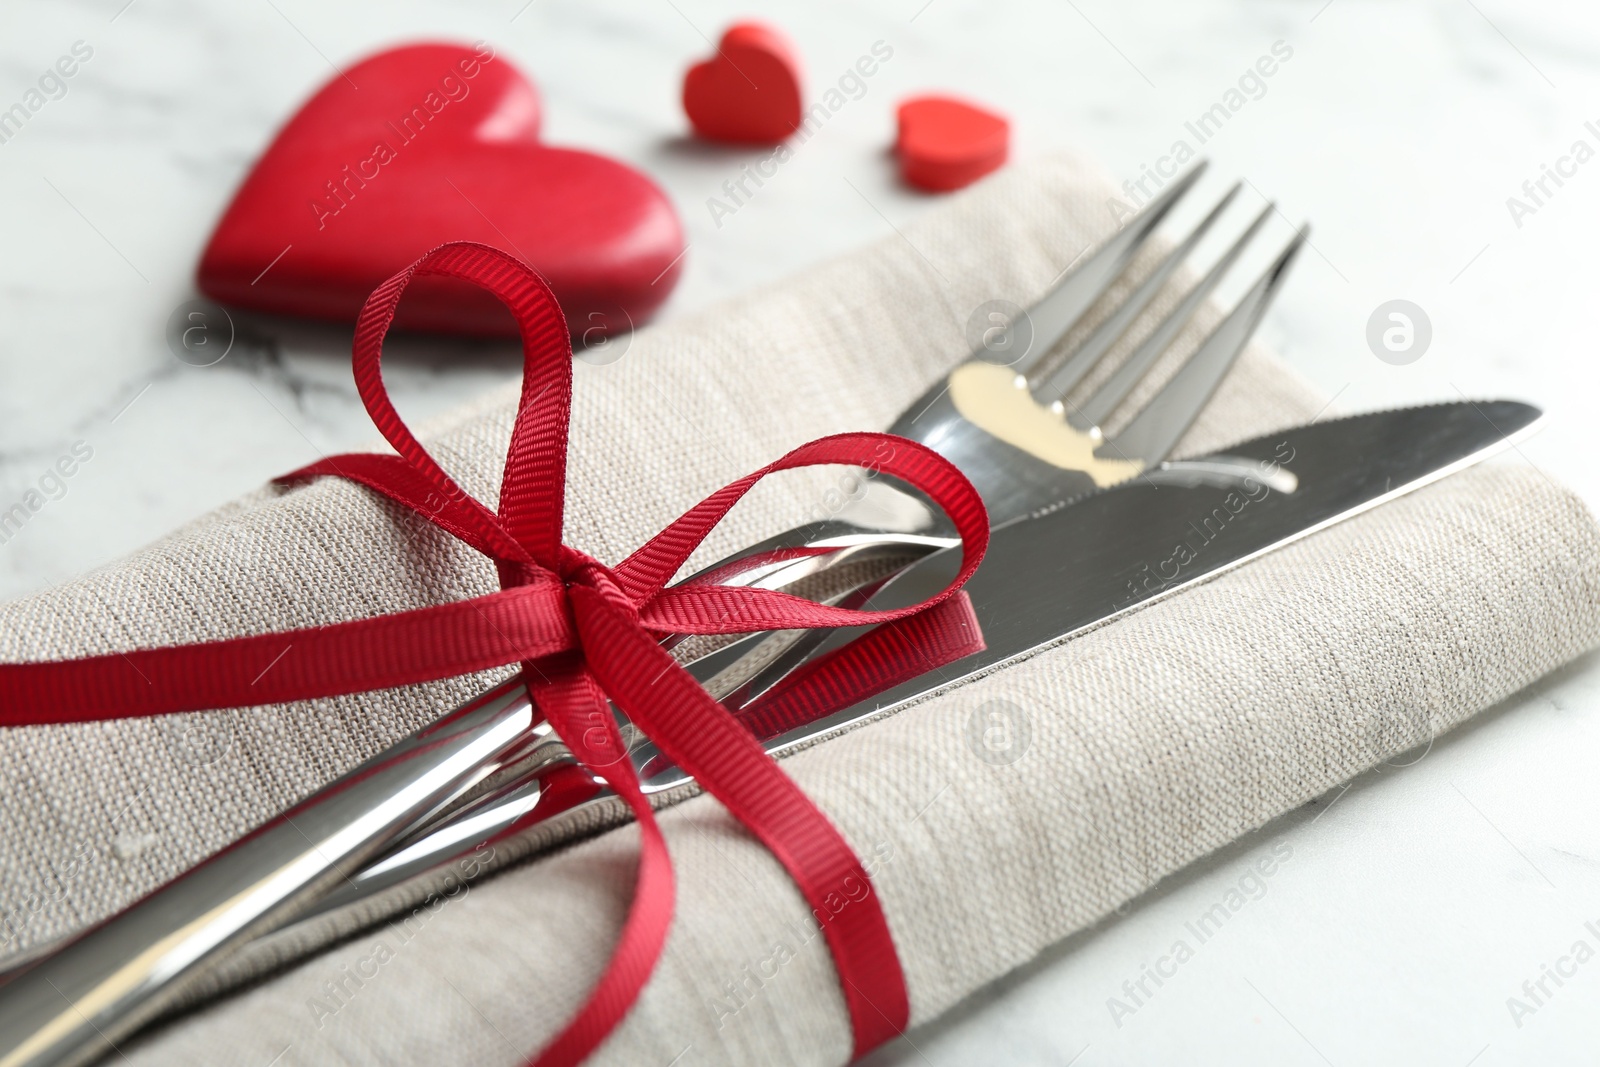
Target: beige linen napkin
(1153, 740)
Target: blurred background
(1408, 913)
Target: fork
(1011, 426)
(978, 416)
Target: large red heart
(430, 143)
(945, 143)
(749, 92)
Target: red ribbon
(583, 632)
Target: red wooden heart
(749, 92)
(946, 143)
(430, 143)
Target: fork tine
(1155, 430)
(1060, 309)
(1105, 399)
(1116, 324)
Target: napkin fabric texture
(1151, 741)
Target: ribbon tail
(575, 706)
(701, 737)
(381, 652)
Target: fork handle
(72, 1005)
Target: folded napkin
(1152, 740)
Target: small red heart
(430, 143)
(749, 92)
(946, 143)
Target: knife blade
(1051, 577)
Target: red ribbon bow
(582, 631)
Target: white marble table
(1414, 903)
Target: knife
(1044, 579)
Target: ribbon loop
(531, 493)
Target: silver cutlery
(393, 827)
(1043, 582)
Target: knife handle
(73, 1004)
